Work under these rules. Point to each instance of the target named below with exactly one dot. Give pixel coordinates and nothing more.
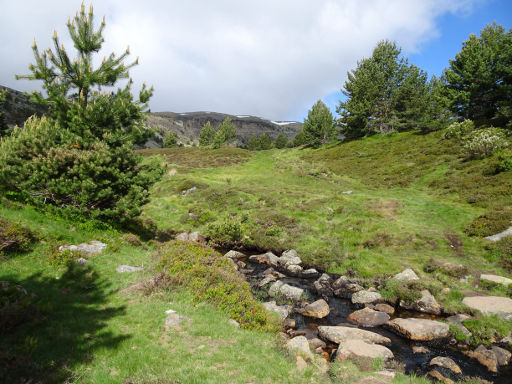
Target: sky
(267, 58)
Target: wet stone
(502, 355)
(439, 376)
(282, 310)
(368, 317)
(318, 309)
(426, 304)
(446, 362)
(324, 285)
(366, 297)
(287, 291)
(485, 357)
(338, 334)
(360, 349)
(419, 329)
(386, 308)
(419, 350)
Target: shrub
(170, 140)
(490, 223)
(484, 143)
(14, 237)
(228, 230)
(16, 306)
(504, 161)
(395, 290)
(211, 278)
(458, 130)
(63, 258)
(486, 328)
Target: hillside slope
(17, 107)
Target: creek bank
(351, 303)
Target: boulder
(366, 297)
(289, 258)
(345, 287)
(311, 272)
(457, 320)
(300, 346)
(419, 329)
(193, 237)
(128, 269)
(426, 304)
(386, 308)
(293, 269)
(338, 334)
(491, 305)
(406, 275)
(317, 343)
(324, 285)
(174, 320)
(485, 357)
(92, 248)
(502, 355)
(439, 376)
(446, 362)
(301, 363)
(287, 291)
(496, 279)
(361, 349)
(282, 310)
(266, 280)
(266, 258)
(420, 350)
(367, 317)
(235, 255)
(318, 309)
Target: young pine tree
(319, 126)
(206, 135)
(281, 141)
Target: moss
(212, 278)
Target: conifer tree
(319, 126)
(170, 140)
(228, 129)
(206, 135)
(281, 141)
(4, 129)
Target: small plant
(63, 258)
(484, 143)
(457, 333)
(458, 130)
(490, 223)
(504, 161)
(170, 140)
(14, 237)
(395, 290)
(228, 230)
(485, 329)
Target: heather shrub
(458, 130)
(14, 237)
(504, 160)
(484, 143)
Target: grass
(91, 325)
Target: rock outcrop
(419, 329)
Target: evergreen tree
(479, 79)
(281, 141)
(254, 143)
(4, 129)
(299, 139)
(81, 158)
(170, 140)
(319, 126)
(206, 135)
(437, 114)
(228, 129)
(265, 142)
(384, 94)
(219, 140)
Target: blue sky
(434, 55)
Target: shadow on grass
(62, 324)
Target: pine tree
(170, 140)
(253, 144)
(384, 94)
(4, 129)
(479, 79)
(319, 126)
(299, 139)
(228, 129)
(206, 135)
(265, 142)
(281, 141)
(219, 140)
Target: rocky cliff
(17, 107)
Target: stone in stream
(406, 275)
(266, 258)
(419, 329)
(496, 279)
(266, 280)
(353, 348)
(366, 297)
(386, 308)
(287, 291)
(294, 269)
(128, 269)
(420, 350)
(502, 355)
(338, 334)
(439, 376)
(300, 345)
(318, 309)
(446, 362)
(485, 357)
(289, 258)
(426, 304)
(316, 343)
(235, 255)
(344, 287)
(282, 310)
(311, 272)
(367, 317)
(324, 285)
(491, 305)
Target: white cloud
(259, 57)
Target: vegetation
(207, 135)
(259, 143)
(14, 237)
(81, 158)
(319, 126)
(226, 134)
(170, 140)
(281, 141)
(4, 129)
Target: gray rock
(174, 320)
(282, 310)
(287, 291)
(299, 345)
(485, 357)
(92, 248)
(266, 258)
(446, 362)
(366, 297)
(128, 269)
(318, 309)
(501, 235)
(294, 269)
(235, 255)
(81, 261)
(360, 349)
(316, 343)
(234, 322)
(386, 308)
(406, 275)
(289, 258)
(502, 355)
(193, 237)
(367, 317)
(457, 320)
(311, 272)
(426, 304)
(491, 305)
(324, 285)
(496, 279)
(420, 329)
(338, 334)
(266, 280)
(189, 191)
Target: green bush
(504, 161)
(395, 290)
(44, 163)
(14, 237)
(212, 278)
(458, 130)
(228, 230)
(170, 140)
(63, 258)
(490, 223)
(484, 143)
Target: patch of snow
(242, 116)
(283, 122)
(183, 114)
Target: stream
(400, 346)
